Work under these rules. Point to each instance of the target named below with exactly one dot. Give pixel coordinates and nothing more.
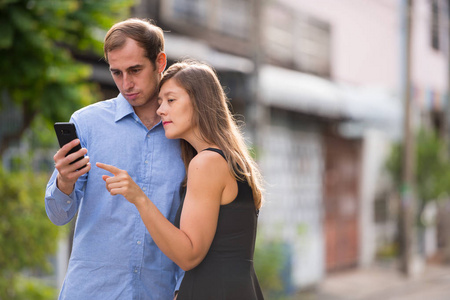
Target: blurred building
(319, 86)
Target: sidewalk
(385, 283)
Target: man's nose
(127, 82)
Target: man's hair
(149, 36)
(215, 121)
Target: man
(113, 255)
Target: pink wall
(429, 67)
(366, 42)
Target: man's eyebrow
(129, 68)
(135, 67)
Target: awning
(179, 47)
(371, 104)
(306, 93)
(371, 107)
(300, 92)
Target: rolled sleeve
(60, 208)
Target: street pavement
(383, 283)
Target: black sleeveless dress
(227, 271)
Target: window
(297, 41)
(234, 18)
(278, 36)
(435, 42)
(192, 11)
(312, 46)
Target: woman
(214, 236)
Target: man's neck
(150, 122)
(148, 116)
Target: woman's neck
(200, 145)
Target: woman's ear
(161, 62)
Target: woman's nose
(160, 110)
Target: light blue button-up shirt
(113, 255)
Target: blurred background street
(346, 110)
(383, 282)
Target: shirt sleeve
(180, 276)
(61, 208)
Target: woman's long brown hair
(215, 121)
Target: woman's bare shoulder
(208, 163)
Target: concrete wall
(292, 165)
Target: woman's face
(176, 110)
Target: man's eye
(135, 71)
(116, 73)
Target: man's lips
(131, 96)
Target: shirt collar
(123, 108)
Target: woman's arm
(188, 245)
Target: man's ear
(161, 62)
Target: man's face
(135, 76)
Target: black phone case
(67, 132)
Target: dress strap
(217, 151)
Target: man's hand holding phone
(70, 160)
(68, 170)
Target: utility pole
(407, 188)
(447, 138)
(257, 111)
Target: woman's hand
(121, 184)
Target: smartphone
(66, 132)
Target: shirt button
(146, 161)
(138, 242)
(68, 201)
(144, 188)
(135, 270)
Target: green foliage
(41, 135)
(38, 40)
(388, 251)
(269, 263)
(26, 235)
(432, 166)
(32, 288)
